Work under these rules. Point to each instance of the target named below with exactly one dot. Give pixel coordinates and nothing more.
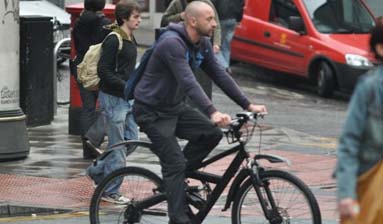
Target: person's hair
(124, 10)
(94, 5)
(379, 20)
(376, 38)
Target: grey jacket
(173, 14)
(361, 143)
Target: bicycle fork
(269, 207)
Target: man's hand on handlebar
(260, 109)
(220, 119)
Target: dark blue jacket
(169, 78)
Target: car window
(281, 11)
(339, 16)
(376, 6)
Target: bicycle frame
(222, 182)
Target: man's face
(205, 23)
(134, 20)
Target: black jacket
(112, 80)
(229, 9)
(88, 30)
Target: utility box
(36, 69)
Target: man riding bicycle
(160, 109)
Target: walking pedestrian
(160, 108)
(230, 13)
(359, 170)
(114, 68)
(89, 30)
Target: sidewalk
(53, 174)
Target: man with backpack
(114, 68)
(88, 30)
(160, 109)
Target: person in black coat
(89, 30)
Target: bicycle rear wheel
(137, 184)
(295, 203)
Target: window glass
(281, 11)
(339, 16)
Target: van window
(339, 16)
(281, 11)
(376, 6)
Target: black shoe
(97, 151)
(89, 151)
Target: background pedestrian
(359, 170)
(230, 13)
(89, 30)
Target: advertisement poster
(9, 55)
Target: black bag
(136, 75)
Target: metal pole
(55, 52)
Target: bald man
(160, 109)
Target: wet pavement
(53, 174)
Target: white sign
(9, 55)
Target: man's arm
(220, 77)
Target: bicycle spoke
(292, 200)
(135, 186)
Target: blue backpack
(136, 75)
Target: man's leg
(131, 129)
(161, 131)
(227, 31)
(88, 117)
(114, 109)
(202, 134)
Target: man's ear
(379, 49)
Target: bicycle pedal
(196, 200)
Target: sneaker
(115, 199)
(87, 174)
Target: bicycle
(257, 194)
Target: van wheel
(325, 80)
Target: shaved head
(199, 20)
(196, 9)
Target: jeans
(227, 33)
(120, 126)
(163, 128)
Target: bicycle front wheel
(137, 184)
(294, 202)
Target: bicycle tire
(138, 183)
(247, 209)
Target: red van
(323, 40)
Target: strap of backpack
(120, 44)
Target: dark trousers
(92, 123)
(163, 128)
